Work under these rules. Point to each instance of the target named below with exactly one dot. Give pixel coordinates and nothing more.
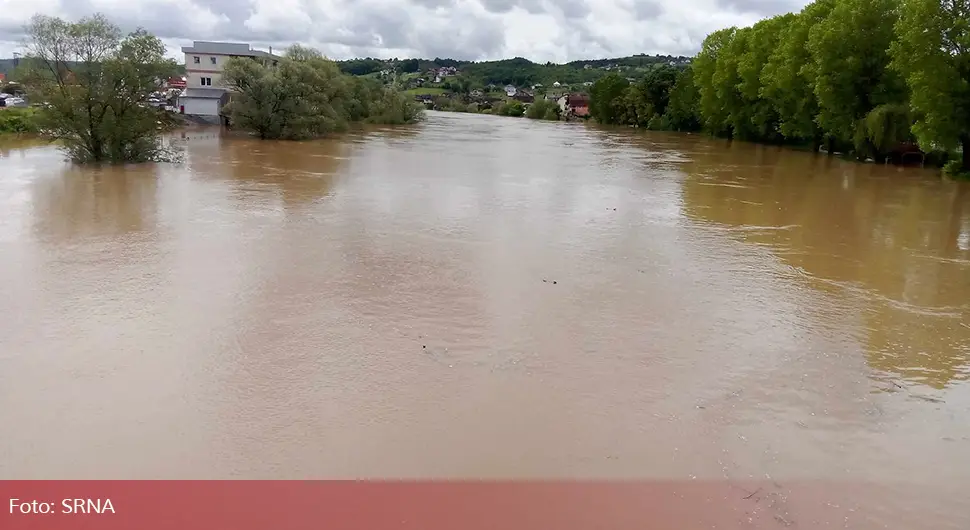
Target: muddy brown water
(483, 297)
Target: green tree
(606, 99)
(788, 78)
(762, 41)
(543, 109)
(933, 54)
(306, 96)
(515, 109)
(681, 114)
(852, 77)
(656, 86)
(94, 83)
(713, 109)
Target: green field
(425, 92)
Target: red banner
(462, 505)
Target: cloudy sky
(541, 30)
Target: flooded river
(484, 297)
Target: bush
(18, 121)
(543, 109)
(954, 169)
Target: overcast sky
(541, 30)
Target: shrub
(18, 121)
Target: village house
(523, 97)
(574, 105)
(205, 94)
(510, 90)
(441, 73)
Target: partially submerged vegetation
(18, 121)
(93, 82)
(878, 79)
(307, 96)
(543, 109)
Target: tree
(94, 83)
(850, 51)
(763, 40)
(932, 52)
(788, 78)
(306, 96)
(656, 87)
(681, 114)
(543, 109)
(712, 108)
(606, 99)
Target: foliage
(361, 66)
(607, 103)
(852, 75)
(543, 109)
(94, 82)
(511, 108)
(932, 53)
(956, 170)
(682, 113)
(18, 121)
(307, 96)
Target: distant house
(205, 94)
(557, 83)
(510, 90)
(588, 83)
(574, 105)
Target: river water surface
(485, 297)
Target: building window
(196, 60)
(206, 81)
(212, 59)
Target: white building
(205, 93)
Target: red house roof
(577, 100)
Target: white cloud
(540, 30)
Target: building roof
(577, 100)
(226, 48)
(203, 93)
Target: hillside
(7, 66)
(517, 71)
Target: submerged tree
(306, 96)
(543, 109)
(93, 83)
(933, 54)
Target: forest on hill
(517, 71)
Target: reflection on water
(478, 296)
(109, 202)
(887, 242)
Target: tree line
(517, 71)
(866, 77)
